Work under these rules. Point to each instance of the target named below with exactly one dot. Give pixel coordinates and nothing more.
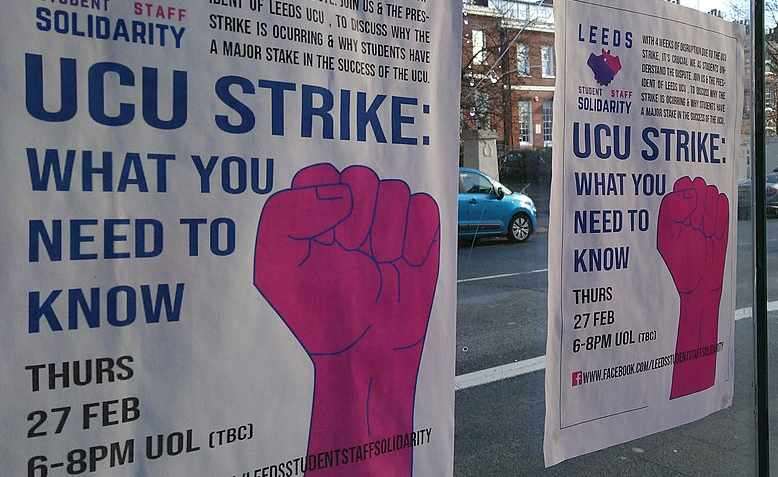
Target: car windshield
(772, 178)
(507, 191)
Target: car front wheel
(520, 228)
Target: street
(501, 340)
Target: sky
(708, 5)
(705, 5)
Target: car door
(478, 211)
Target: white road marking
(498, 373)
(519, 368)
(748, 244)
(743, 313)
(504, 275)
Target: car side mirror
(500, 193)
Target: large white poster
(228, 237)
(648, 109)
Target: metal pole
(758, 181)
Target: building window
(524, 11)
(541, 13)
(525, 123)
(547, 58)
(522, 59)
(479, 51)
(548, 121)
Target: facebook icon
(577, 378)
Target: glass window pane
(771, 198)
(479, 52)
(525, 122)
(474, 183)
(548, 115)
(522, 59)
(547, 58)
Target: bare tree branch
(487, 85)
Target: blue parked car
(489, 209)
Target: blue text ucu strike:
(250, 106)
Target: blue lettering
(113, 306)
(398, 119)
(603, 152)
(247, 120)
(193, 224)
(120, 305)
(323, 111)
(648, 134)
(38, 311)
(205, 171)
(97, 74)
(277, 88)
(88, 170)
(151, 99)
(112, 237)
(587, 147)
(227, 175)
(132, 173)
(369, 116)
(78, 237)
(39, 234)
(52, 167)
(157, 236)
(153, 306)
(216, 248)
(36, 85)
(89, 308)
(345, 114)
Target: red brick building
(509, 70)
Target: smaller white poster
(649, 102)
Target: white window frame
(548, 62)
(525, 124)
(522, 58)
(479, 47)
(548, 120)
(524, 10)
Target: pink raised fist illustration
(692, 237)
(350, 263)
